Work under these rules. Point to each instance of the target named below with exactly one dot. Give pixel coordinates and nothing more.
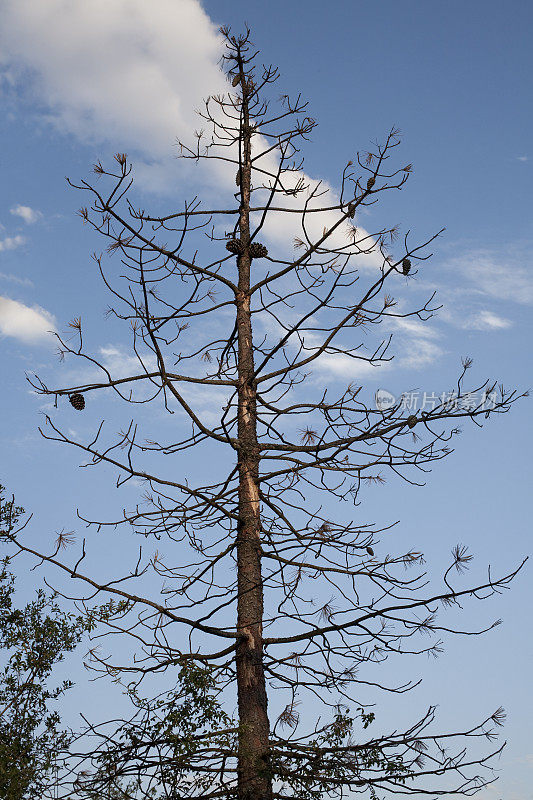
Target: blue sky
(81, 81)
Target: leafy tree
(33, 640)
(177, 724)
(258, 533)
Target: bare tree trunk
(254, 782)
(254, 728)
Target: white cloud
(28, 324)
(116, 359)
(15, 279)
(121, 363)
(486, 321)
(348, 369)
(414, 327)
(417, 353)
(508, 277)
(11, 242)
(29, 215)
(411, 352)
(522, 158)
(132, 73)
(413, 347)
(125, 71)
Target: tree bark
(254, 780)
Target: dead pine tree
(214, 314)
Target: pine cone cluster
(370, 182)
(351, 210)
(77, 401)
(235, 246)
(258, 250)
(406, 266)
(411, 421)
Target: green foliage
(332, 758)
(178, 725)
(173, 730)
(32, 640)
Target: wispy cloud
(414, 328)
(347, 369)
(15, 279)
(11, 242)
(30, 325)
(414, 347)
(411, 352)
(418, 353)
(120, 363)
(415, 343)
(485, 321)
(29, 215)
(522, 158)
(505, 277)
(116, 359)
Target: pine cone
(411, 421)
(235, 80)
(235, 246)
(370, 182)
(258, 250)
(351, 210)
(406, 266)
(77, 401)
